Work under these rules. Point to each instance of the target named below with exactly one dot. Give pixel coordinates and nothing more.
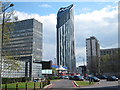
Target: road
(61, 84)
(65, 84)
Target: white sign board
(47, 71)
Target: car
(94, 79)
(71, 77)
(61, 77)
(87, 78)
(78, 78)
(118, 77)
(102, 77)
(112, 78)
(64, 77)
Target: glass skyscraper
(65, 38)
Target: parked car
(71, 77)
(79, 78)
(102, 77)
(118, 77)
(64, 77)
(61, 77)
(94, 79)
(112, 78)
(87, 78)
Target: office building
(81, 70)
(109, 51)
(93, 54)
(26, 44)
(65, 38)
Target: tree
(54, 71)
(8, 59)
(94, 65)
(110, 63)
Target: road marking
(73, 84)
(49, 86)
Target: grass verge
(22, 85)
(84, 83)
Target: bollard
(6, 86)
(26, 86)
(45, 82)
(48, 81)
(16, 86)
(34, 85)
(41, 84)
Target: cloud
(80, 55)
(103, 24)
(100, 23)
(45, 5)
(85, 10)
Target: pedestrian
(90, 79)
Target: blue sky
(97, 19)
(46, 8)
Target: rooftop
(65, 8)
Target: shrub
(53, 77)
(14, 80)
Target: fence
(26, 85)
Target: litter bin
(35, 80)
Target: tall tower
(65, 38)
(93, 54)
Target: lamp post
(83, 65)
(2, 36)
(83, 60)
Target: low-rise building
(110, 51)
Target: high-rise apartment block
(93, 54)
(65, 38)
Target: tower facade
(93, 54)
(26, 45)
(65, 38)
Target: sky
(97, 19)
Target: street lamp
(83, 65)
(3, 24)
(83, 60)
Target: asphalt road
(65, 84)
(61, 84)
